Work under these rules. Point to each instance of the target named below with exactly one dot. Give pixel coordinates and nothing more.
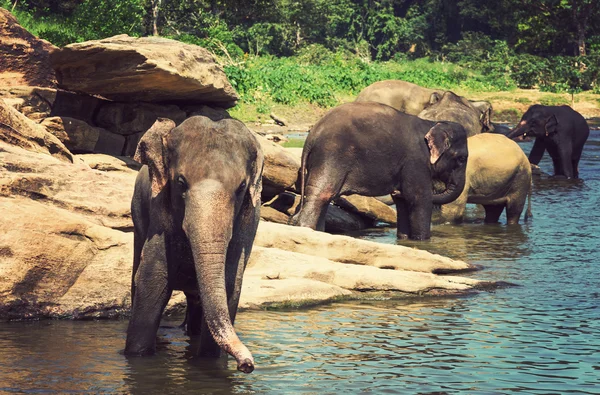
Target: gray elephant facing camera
(195, 211)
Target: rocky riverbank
(66, 180)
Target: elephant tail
(528, 212)
(302, 176)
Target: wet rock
(18, 130)
(25, 58)
(150, 69)
(79, 137)
(347, 249)
(339, 220)
(368, 207)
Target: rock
(280, 171)
(346, 249)
(214, 113)
(37, 103)
(110, 163)
(25, 58)
(278, 266)
(339, 220)
(285, 203)
(57, 264)
(79, 137)
(368, 207)
(18, 130)
(102, 198)
(276, 138)
(385, 199)
(271, 215)
(151, 69)
(132, 118)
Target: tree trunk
(155, 7)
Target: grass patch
(294, 143)
(522, 100)
(509, 115)
(554, 100)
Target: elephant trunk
(209, 235)
(516, 132)
(453, 189)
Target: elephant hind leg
(320, 190)
(492, 213)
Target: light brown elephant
(498, 176)
(403, 96)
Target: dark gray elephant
(403, 96)
(560, 130)
(195, 211)
(372, 149)
(454, 108)
(485, 114)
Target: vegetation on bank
(323, 52)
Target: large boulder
(79, 137)
(25, 58)
(104, 197)
(18, 130)
(150, 69)
(280, 171)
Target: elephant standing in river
(195, 211)
(372, 149)
(498, 176)
(485, 114)
(454, 108)
(403, 96)
(560, 130)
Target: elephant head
(485, 118)
(536, 122)
(447, 143)
(210, 173)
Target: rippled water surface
(541, 337)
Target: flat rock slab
(150, 69)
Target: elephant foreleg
(402, 224)
(152, 292)
(314, 211)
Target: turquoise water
(540, 337)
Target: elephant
(560, 130)
(372, 149)
(403, 96)
(195, 211)
(498, 176)
(485, 114)
(454, 108)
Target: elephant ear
(255, 188)
(150, 152)
(485, 119)
(434, 98)
(551, 125)
(438, 142)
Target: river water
(540, 337)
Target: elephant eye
(241, 187)
(182, 183)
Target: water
(541, 337)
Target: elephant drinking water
(372, 149)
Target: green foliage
(96, 19)
(554, 100)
